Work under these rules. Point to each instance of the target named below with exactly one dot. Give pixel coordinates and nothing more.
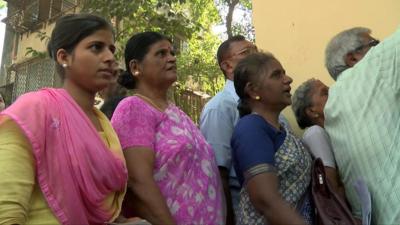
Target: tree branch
(229, 16)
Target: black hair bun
(126, 80)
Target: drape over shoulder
(75, 170)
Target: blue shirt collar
(230, 88)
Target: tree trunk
(231, 8)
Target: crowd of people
(142, 160)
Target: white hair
(301, 100)
(343, 43)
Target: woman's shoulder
(253, 122)
(250, 119)
(251, 125)
(134, 103)
(314, 130)
(132, 100)
(31, 102)
(135, 109)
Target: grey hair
(301, 100)
(341, 44)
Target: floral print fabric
(185, 168)
(293, 168)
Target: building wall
(9, 37)
(7, 54)
(297, 31)
(32, 40)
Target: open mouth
(287, 91)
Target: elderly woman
(308, 106)
(272, 165)
(172, 170)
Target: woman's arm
(17, 173)
(264, 195)
(230, 215)
(150, 204)
(334, 181)
(317, 141)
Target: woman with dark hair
(271, 163)
(61, 161)
(172, 171)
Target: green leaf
(2, 4)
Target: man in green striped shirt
(362, 117)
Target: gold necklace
(151, 102)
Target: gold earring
(258, 97)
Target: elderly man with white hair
(362, 117)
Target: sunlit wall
(297, 31)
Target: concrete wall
(31, 40)
(297, 31)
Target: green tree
(198, 67)
(244, 26)
(189, 24)
(175, 18)
(2, 4)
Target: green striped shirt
(363, 121)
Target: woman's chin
(171, 80)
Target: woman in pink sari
(172, 170)
(61, 161)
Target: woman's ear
(63, 57)
(251, 90)
(134, 67)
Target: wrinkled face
(92, 65)
(274, 88)
(237, 51)
(319, 97)
(158, 68)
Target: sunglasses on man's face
(370, 44)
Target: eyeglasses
(244, 52)
(370, 44)
(247, 51)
